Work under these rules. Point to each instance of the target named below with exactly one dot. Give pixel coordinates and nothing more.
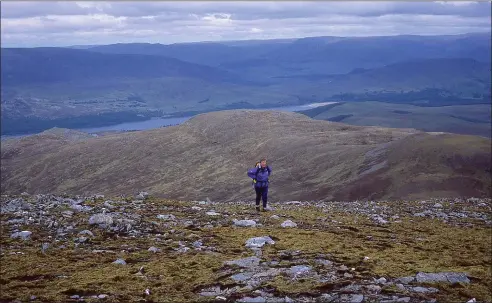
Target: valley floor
(97, 249)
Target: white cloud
(68, 23)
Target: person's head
(263, 163)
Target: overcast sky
(27, 24)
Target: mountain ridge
(209, 154)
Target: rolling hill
(208, 157)
(460, 119)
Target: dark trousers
(261, 194)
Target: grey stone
(24, 235)
(75, 297)
(326, 298)
(379, 220)
(437, 205)
(212, 213)
(299, 270)
(244, 223)
(353, 298)
(259, 242)
(450, 277)
(252, 300)
(400, 286)
(351, 288)
(324, 262)
(154, 249)
(67, 213)
(288, 223)
(241, 277)
(211, 292)
(108, 204)
(245, 262)
(275, 217)
(455, 277)
(381, 280)
(120, 262)
(101, 219)
(166, 217)
(81, 239)
(373, 288)
(102, 296)
(44, 247)
(404, 299)
(197, 244)
(142, 195)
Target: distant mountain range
(208, 157)
(127, 80)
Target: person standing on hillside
(260, 175)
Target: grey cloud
(68, 23)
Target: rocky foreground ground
(143, 249)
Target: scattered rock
(244, 223)
(252, 300)
(154, 249)
(450, 277)
(288, 223)
(102, 296)
(212, 213)
(120, 262)
(245, 262)
(45, 247)
(275, 217)
(142, 195)
(101, 220)
(299, 270)
(166, 217)
(24, 235)
(259, 242)
(352, 298)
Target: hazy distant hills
(23, 67)
(209, 156)
(127, 80)
(329, 55)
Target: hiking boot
(268, 208)
(257, 208)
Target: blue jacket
(261, 175)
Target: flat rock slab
(252, 300)
(288, 223)
(450, 277)
(245, 262)
(24, 235)
(259, 242)
(244, 223)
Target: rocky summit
(145, 249)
